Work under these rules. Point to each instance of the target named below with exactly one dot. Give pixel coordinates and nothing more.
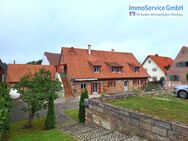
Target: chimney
(113, 50)
(72, 50)
(156, 55)
(14, 62)
(89, 49)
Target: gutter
(85, 79)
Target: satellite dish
(14, 93)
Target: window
(143, 81)
(136, 82)
(111, 83)
(174, 77)
(136, 69)
(186, 64)
(180, 64)
(154, 69)
(83, 85)
(116, 69)
(96, 69)
(149, 61)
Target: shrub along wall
(131, 122)
(4, 109)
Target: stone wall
(131, 122)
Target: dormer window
(116, 69)
(136, 69)
(96, 69)
(95, 66)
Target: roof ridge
(98, 50)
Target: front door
(126, 85)
(95, 88)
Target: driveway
(60, 105)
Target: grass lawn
(163, 106)
(50, 135)
(73, 113)
(37, 133)
(16, 128)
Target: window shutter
(91, 88)
(114, 83)
(171, 78)
(99, 87)
(177, 77)
(108, 83)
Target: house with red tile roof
(50, 58)
(100, 71)
(157, 66)
(178, 72)
(16, 71)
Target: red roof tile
(78, 66)
(53, 58)
(16, 71)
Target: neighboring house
(3, 70)
(178, 72)
(16, 71)
(100, 71)
(51, 59)
(157, 66)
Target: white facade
(153, 70)
(45, 60)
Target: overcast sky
(28, 28)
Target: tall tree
(81, 114)
(36, 90)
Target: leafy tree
(81, 115)
(35, 62)
(36, 90)
(4, 109)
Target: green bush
(150, 86)
(50, 120)
(4, 109)
(81, 114)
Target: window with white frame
(154, 69)
(96, 69)
(83, 85)
(116, 69)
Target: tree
(4, 109)
(81, 115)
(36, 90)
(35, 62)
(50, 119)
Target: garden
(163, 105)
(38, 91)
